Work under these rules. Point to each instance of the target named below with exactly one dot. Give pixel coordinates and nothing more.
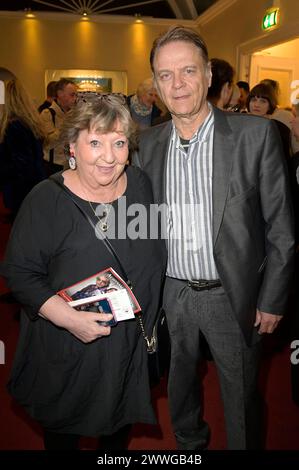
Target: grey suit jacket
(252, 213)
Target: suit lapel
(160, 155)
(222, 162)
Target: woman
(142, 105)
(262, 101)
(21, 146)
(281, 114)
(73, 375)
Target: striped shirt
(189, 202)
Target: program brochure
(104, 292)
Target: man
(100, 287)
(221, 88)
(244, 92)
(51, 94)
(53, 117)
(229, 239)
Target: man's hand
(267, 321)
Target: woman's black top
(68, 386)
(21, 164)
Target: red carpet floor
(17, 431)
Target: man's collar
(202, 133)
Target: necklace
(103, 218)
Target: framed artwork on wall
(99, 85)
(102, 81)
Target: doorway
(279, 62)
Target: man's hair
(62, 83)
(51, 89)
(222, 72)
(244, 85)
(179, 33)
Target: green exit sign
(270, 19)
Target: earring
(72, 162)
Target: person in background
(295, 320)
(234, 104)
(21, 146)
(262, 101)
(294, 180)
(53, 117)
(295, 124)
(280, 114)
(51, 95)
(142, 105)
(244, 92)
(229, 235)
(220, 90)
(73, 375)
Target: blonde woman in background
(143, 106)
(21, 146)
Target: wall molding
(215, 10)
(70, 17)
(284, 33)
(268, 39)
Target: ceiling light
(138, 18)
(28, 13)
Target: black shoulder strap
(98, 232)
(51, 151)
(151, 341)
(53, 114)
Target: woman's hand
(85, 325)
(82, 324)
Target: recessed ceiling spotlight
(28, 13)
(138, 18)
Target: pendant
(104, 227)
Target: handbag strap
(150, 342)
(102, 237)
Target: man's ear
(209, 73)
